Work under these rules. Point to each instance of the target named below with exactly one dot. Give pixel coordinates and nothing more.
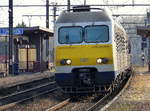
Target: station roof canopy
(144, 31)
(37, 31)
(27, 31)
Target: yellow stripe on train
(83, 54)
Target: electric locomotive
(91, 50)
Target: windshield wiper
(67, 38)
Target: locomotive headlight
(99, 60)
(68, 61)
(102, 60)
(65, 62)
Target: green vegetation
(21, 25)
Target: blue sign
(16, 31)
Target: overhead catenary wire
(62, 5)
(117, 5)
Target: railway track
(116, 96)
(90, 103)
(17, 87)
(11, 100)
(109, 98)
(99, 105)
(59, 105)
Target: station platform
(10, 81)
(137, 96)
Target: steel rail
(100, 102)
(16, 98)
(11, 105)
(117, 96)
(9, 98)
(59, 105)
(23, 85)
(27, 81)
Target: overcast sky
(40, 21)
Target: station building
(33, 49)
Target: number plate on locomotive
(83, 59)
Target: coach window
(70, 35)
(96, 34)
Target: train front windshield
(89, 34)
(96, 34)
(70, 35)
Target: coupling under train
(92, 50)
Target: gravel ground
(137, 96)
(82, 104)
(76, 107)
(41, 104)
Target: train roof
(73, 17)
